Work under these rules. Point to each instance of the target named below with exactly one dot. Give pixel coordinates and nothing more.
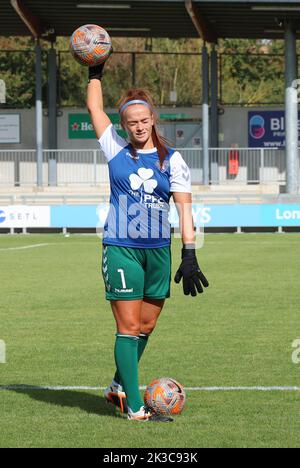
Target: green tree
(251, 72)
(17, 69)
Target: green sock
(143, 340)
(142, 343)
(126, 356)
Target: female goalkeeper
(144, 174)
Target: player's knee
(147, 328)
(130, 330)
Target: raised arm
(94, 103)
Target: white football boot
(146, 414)
(115, 395)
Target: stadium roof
(154, 18)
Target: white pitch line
(244, 389)
(192, 389)
(25, 247)
(64, 244)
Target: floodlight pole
(207, 33)
(214, 97)
(34, 25)
(214, 116)
(52, 116)
(291, 110)
(205, 114)
(39, 113)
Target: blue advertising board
(93, 216)
(266, 129)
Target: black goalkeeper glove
(189, 270)
(96, 73)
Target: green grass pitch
(59, 331)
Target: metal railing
(247, 166)
(238, 165)
(89, 167)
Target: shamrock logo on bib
(143, 178)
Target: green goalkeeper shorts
(131, 274)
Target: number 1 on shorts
(123, 278)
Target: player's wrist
(96, 73)
(188, 250)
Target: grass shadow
(91, 404)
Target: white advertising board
(24, 216)
(10, 128)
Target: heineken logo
(75, 127)
(81, 127)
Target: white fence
(253, 165)
(89, 167)
(60, 167)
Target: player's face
(138, 122)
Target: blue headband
(136, 101)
